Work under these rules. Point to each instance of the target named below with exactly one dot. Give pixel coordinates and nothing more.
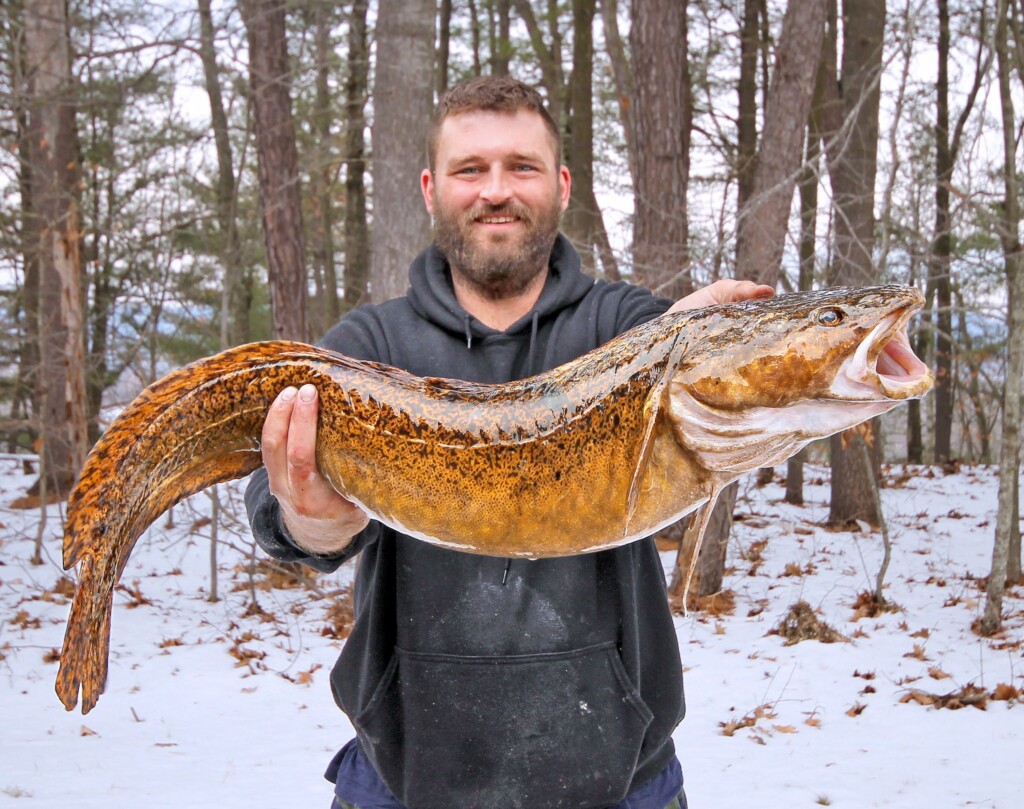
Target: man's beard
(498, 269)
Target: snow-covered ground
(216, 705)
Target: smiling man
(474, 681)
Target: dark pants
(678, 803)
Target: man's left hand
(728, 290)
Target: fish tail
(83, 658)
(198, 426)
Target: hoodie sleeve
(621, 306)
(356, 337)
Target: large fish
(593, 454)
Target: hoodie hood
(432, 295)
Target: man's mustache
(505, 209)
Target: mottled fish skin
(592, 454)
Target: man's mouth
(497, 220)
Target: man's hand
(319, 519)
(728, 290)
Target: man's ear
(564, 186)
(427, 187)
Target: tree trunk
(402, 99)
(444, 35)
(277, 155)
(746, 125)
(663, 114)
(501, 44)
(624, 85)
(941, 263)
(357, 234)
(851, 147)
(583, 223)
(808, 188)
(25, 396)
(54, 206)
(763, 222)
(322, 179)
(236, 295)
(1009, 454)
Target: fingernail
(307, 393)
(288, 394)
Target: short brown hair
(489, 94)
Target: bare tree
(1009, 454)
(357, 235)
(56, 233)
(663, 116)
(764, 219)
(851, 125)
(278, 166)
(236, 293)
(763, 222)
(402, 100)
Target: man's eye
(523, 168)
(469, 170)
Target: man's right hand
(319, 519)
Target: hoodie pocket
(546, 730)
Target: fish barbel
(593, 454)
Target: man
(474, 681)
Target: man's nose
(497, 189)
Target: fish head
(761, 379)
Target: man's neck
(499, 313)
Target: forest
(182, 177)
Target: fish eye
(830, 317)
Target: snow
(210, 706)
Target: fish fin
(83, 658)
(702, 527)
(652, 407)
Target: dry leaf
(1005, 692)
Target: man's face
(496, 195)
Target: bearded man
(474, 681)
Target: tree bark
(583, 222)
(444, 35)
(623, 74)
(501, 44)
(357, 232)
(25, 396)
(54, 173)
(851, 147)
(322, 174)
(764, 220)
(663, 114)
(746, 125)
(277, 156)
(402, 98)
(1009, 454)
(941, 262)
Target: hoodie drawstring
(530, 358)
(469, 332)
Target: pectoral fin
(652, 409)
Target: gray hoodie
(477, 681)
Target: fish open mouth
(884, 366)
